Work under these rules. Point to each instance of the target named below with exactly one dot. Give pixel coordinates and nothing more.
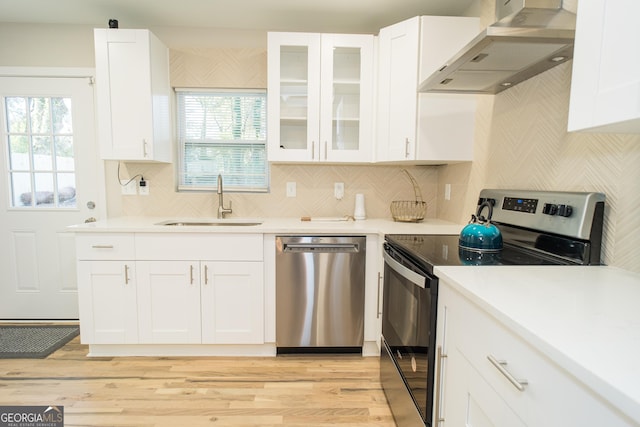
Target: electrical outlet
(338, 190)
(143, 188)
(291, 189)
(130, 188)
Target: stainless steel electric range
(538, 228)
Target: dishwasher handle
(321, 247)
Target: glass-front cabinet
(320, 97)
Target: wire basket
(409, 210)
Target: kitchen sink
(212, 223)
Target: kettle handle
(479, 211)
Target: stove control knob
(549, 209)
(565, 210)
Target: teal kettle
(480, 235)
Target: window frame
(182, 142)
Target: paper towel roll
(359, 212)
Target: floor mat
(34, 342)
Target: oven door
(409, 328)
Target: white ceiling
(348, 16)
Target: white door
(50, 177)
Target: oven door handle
(412, 276)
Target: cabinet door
(471, 401)
(422, 128)
(169, 302)
(132, 86)
(445, 122)
(346, 106)
(232, 303)
(293, 96)
(107, 301)
(605, 85)
(463, 397)
(397, 90)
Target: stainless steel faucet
(221, 209)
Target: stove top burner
(431, 250)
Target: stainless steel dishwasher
(320, 293)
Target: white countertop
(269, 226)
(586, 319)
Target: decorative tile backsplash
(314, 192)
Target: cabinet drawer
(550, 397)
(105, 246)
(206, 246)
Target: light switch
(338, 190)
(291, 189)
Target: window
(222, 132)
(40, 147)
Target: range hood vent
(530, 36)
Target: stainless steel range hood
(530, 36)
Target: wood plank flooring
(337, 390)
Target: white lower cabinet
(521, 387)
(471, 401)
(162, 296)
(169, 302)
(107, 293)
(232, 302)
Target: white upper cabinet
(320, 97)
(605, 85)
(133, 95)
(415, 127)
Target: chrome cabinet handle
(313, 150)
(326, 150)
(126, 274)
(191, 274)
(439, 358)
(406, 148)
(206, 275)
(144, 148)
(500, 366)
(378, 303)
(102, 246)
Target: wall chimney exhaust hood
(530, 36)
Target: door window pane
(64, 153)
(61, 110)
(40, 115)
(17, 114)
(41, 154)
(21, 193)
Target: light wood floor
(342, 390)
